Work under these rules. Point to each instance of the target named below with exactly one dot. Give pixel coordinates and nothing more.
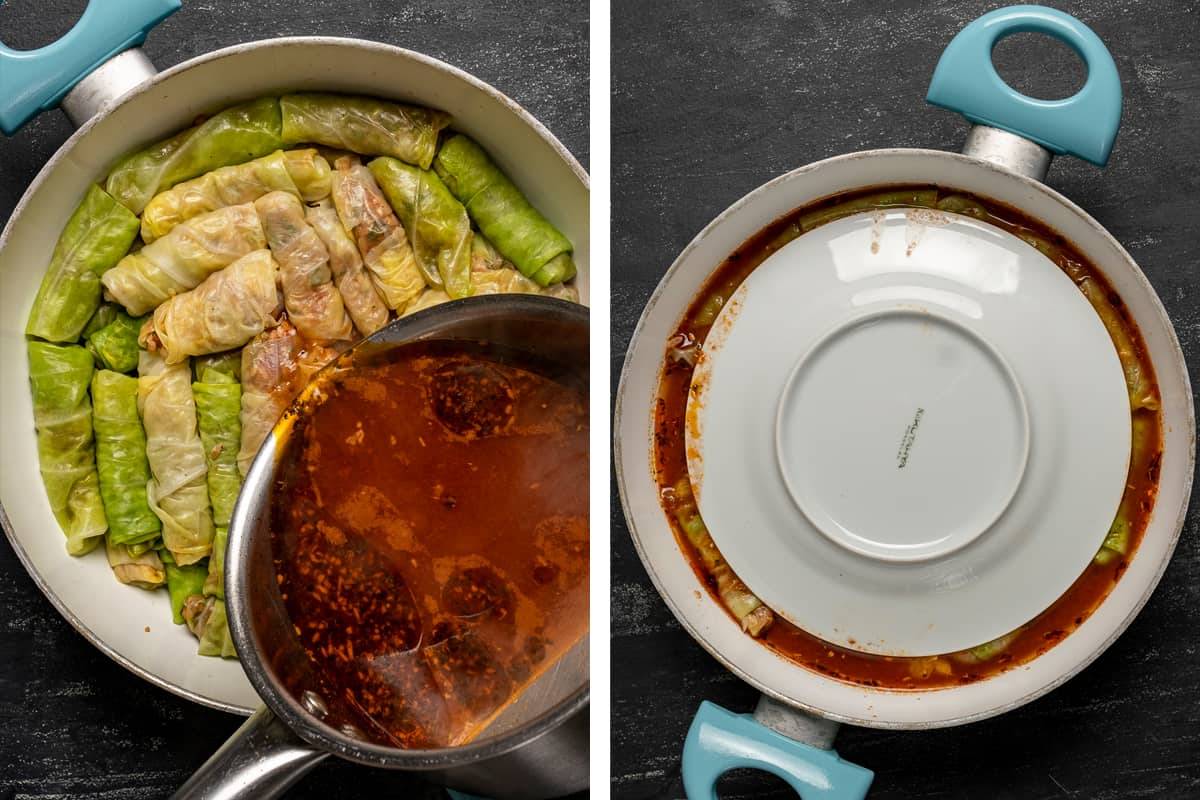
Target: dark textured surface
(72, 722)
(712, 99)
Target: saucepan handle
(32, 81)
(1083, 125)
(720, 740)
(260, 761)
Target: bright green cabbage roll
(229, 363)
(144, 570)
(304, 173)
(206, 619)
(97, 235)
(115, 346)
(214, 583)
(436, 223)
(363, 303)
(313, 303)
(178, 492)
(104, 316)
(218, 406)
(363, 125)
(184, 257)
(227, 310)
(384, 245)
(62, 414)
(182, 583)
(502, 213)
(233, 136)
(121, 460)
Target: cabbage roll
(218, 405)
(501, 280)
(233, 136)
(144, 570)
(178, 492)
(121, 460)
(206, 619)
(366, 308)
(313, 303)
(184, 257)
(227, 310)
(302, 172)
(62, 414)
(268, 375)
(363, 125)
(502, 213)
(182, 583)
(228, 363)
(115, 346)
(214, 583)
(97, 235)
(384, 246)
(104, 316)
(436, 223)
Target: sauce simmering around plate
(430, 536)
(989, 658)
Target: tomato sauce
(1039, 634)
(430, 536)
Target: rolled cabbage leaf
(313, 303)
(97, 235)
(214, 583)
(144, 570)
(227, 310)
(229, 363)
(115, 346)
(517, 229)
(366, 308)
(363, 125)
(268, 381)
(233, 136)
(178, 492)
(502, 280)
(121, 460)
(218, 406)
(104, 315)
(182, 583)
(384, 245)
(304, 173)
(436, 223)
(206, 619)
(62, 415)
(184, 257)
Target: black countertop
(72, 722)
(712, 99)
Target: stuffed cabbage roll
(229, 363)
(502, 213)
(366, 308)
(62, 415)
(218, 406)
(184, 257)
(384, 245)
(97, 235)
(436, 223)
(313, 303)
(178, 492)
(225, 311)
(115, 346)
(206, 619)
(363, 125)
(104, 316)
(304, 173)
(144, 570)
(214, 583)
(233, 136)
(268, 373)
(121, 459)
(502, 280)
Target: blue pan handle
(32, 81)
(720, 740)
(1083, 125)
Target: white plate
(912, 432)
(132, 626)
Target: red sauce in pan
(430, 535)
(794, 644)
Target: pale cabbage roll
(145, 570)
(302, 172)
(227, 310)
(205, 617)
(363, 125)
(178, 491)
(381, 240)
(498, 280)
(366, 308)
(313, 303)
(268, 373)
(184, 257)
